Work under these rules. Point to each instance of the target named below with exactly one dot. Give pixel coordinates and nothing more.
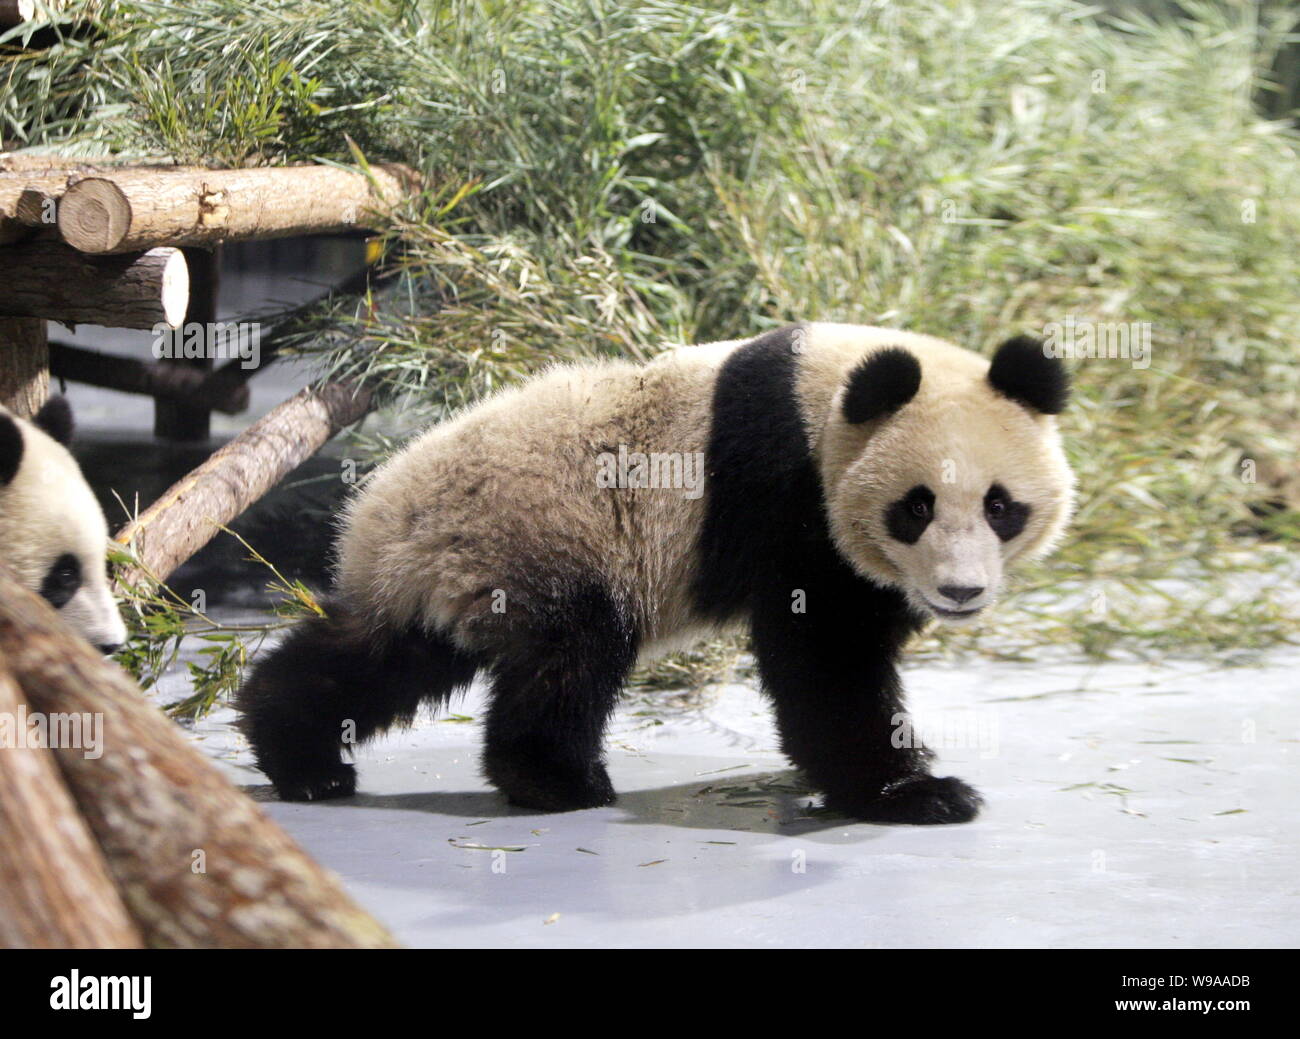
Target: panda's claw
(339, 781)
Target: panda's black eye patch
(1005, 515)
(907, 518)
(62, 580)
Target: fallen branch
(191, 511)
(196, 861)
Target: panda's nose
(109, 648)
(959, 593)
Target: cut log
(237, 474)
(165, 379)
(197, 862)
(24, 365)
(131, 210)
(15, 12)
(31, 187)
(48, 279)
(56, 891)
(171, 419)
(26, 193)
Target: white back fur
(444, 529)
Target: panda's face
(53, 530)
(946, 490)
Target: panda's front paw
(339, 780)
(549, 787)
(920, 800)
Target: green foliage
(159, 621)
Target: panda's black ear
(11, 449)
(1022, 371)
(55, 418)
(881, 384)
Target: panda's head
(945, 469)
(52, 529)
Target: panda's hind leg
(552, 695)
(333, 682)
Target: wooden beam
(135, 209)
(27, 191)
(173, 420)
(237, 474)
(56, 891)
(45, 278)
(15, 12)
(24, 365)
(25, 160)
(165, 379)
(32, 185)
(197, 862)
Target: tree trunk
(237, 474)
(47, 279)
(198, 864)
(131, 210)
(55, 889)
(24, 365)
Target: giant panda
(857, 481)
(51, 526)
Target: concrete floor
(1128, 805)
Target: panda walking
(856, 481)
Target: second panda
(839, 486)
